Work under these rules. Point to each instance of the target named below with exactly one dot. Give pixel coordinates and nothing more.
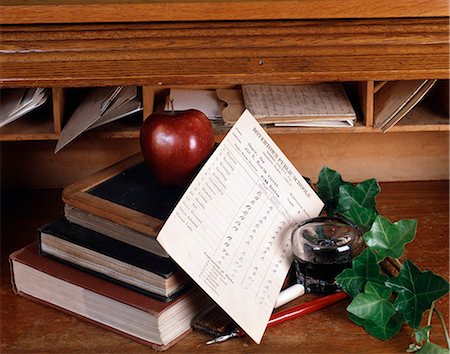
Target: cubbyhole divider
(58, 103)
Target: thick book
(139, 317)
(124, 202)
(112, 259)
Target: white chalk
(289, 294)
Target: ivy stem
(394, 262)
(430, 314)
(444, 327)
(397, 262)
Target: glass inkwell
(323, 247)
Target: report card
(231, 229)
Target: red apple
(175, 144)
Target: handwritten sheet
(231, 230)
(325, 100)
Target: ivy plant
(382, 302)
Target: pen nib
(222, 338)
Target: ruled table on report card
(231, 229)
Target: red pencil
(288, 314)
(305, 308)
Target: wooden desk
(29, 327)
(160, 44)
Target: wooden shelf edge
(421, 128)
(134, 134)
(288, 78)
(28, 137)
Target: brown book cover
(54, 284)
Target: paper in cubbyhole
(100, 106)
(16, 103)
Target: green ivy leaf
(328, 188)
(386, 332)
(360, 216)
(416, 291)
(370, 189)
(357, 203)
(363, 194)
(364, 269)
(431, 348)
(388, 239)
(373, 304)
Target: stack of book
(101, 261)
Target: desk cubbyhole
(231, 100)
(433, 111)
(411, 105)
(115, 111)
(26, 114)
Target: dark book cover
(110, 247)
(125, 194)
(99, 243)
(135, 188)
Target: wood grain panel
(226, 29)
(75, 11)
(388, 157)
(223, 71)
(217, 53)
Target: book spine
(11, 270)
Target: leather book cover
(29, 256)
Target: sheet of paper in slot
(126, 102)
(278, 104)
(230, 231)
(396, 99)
(15, 103)
(205, 101)
(100, 106)
(319, 124)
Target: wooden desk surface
(30, 327)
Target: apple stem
(171, 106)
